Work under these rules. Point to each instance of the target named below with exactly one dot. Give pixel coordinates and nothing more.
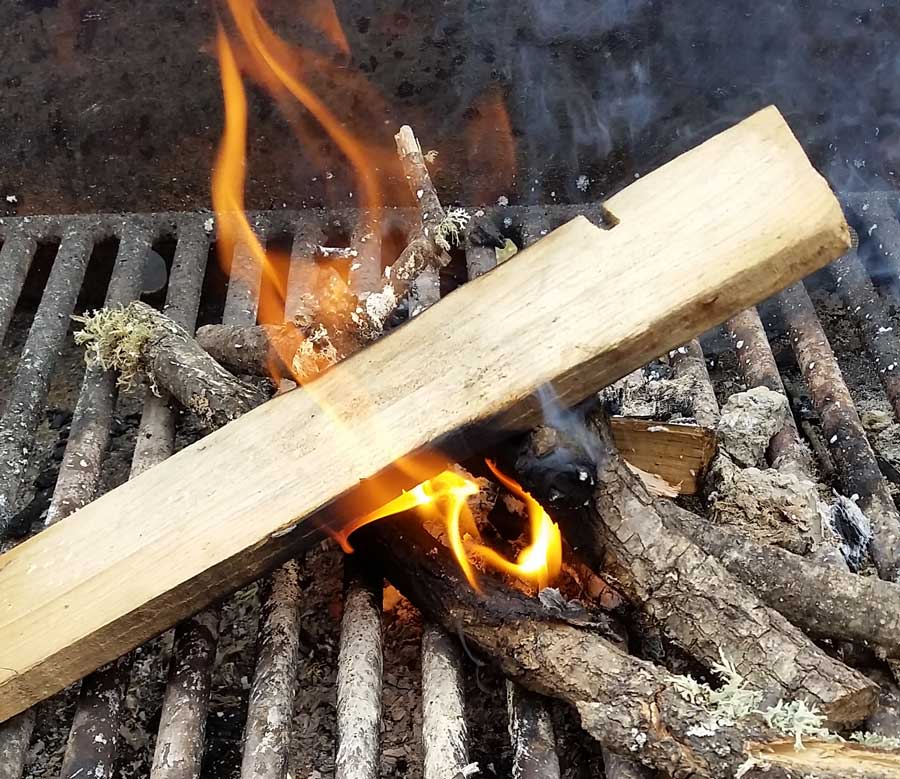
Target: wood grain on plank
(677, 453)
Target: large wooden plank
(705, 236)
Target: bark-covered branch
(617, 526)
(142, 343)
(632, 707)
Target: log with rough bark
(255, 492)
(823, 600)
(631, 706)
(142, 343)
(622, 529)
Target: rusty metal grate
(866, 280)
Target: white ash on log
(445, 738)
(632, 707)
(772, 505)
(531, 734)
(621, 529)
(271, 707)
(444, 733)
(182, 729)
(359, 675)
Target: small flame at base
(444, 498)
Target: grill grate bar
(858, 469)
(758, 369)
(874, 215)
(275, 679)
(181, 737)
(445, 747)
(360, 658)
(76, 485)
(32, 381)
(157, 429)
(868, 310)
(102, 693)
(15, 260)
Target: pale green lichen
(734, 700)
(113, 339)
(875, 740)
(508, 250)
(449, 232)
(798, 719)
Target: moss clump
(449, 232)
(114, 339)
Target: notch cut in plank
(679, 454)
(707, 235)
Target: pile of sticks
(741, 612)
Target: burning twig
(621, 529)
(312, 343)
(631, 706)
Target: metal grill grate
(866, 280)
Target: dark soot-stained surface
(115, 106)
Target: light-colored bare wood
(677, 453)
(705, 236)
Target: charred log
(632, 707)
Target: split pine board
(712, 232)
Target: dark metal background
(115, 106)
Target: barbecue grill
(390, 694)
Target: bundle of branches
(774, 678)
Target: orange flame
(282, 71)
(444, 497)
(541, 560)
(229, 171)
(491, 147)
(295, 80)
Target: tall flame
(294, 78)
(229, 171)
